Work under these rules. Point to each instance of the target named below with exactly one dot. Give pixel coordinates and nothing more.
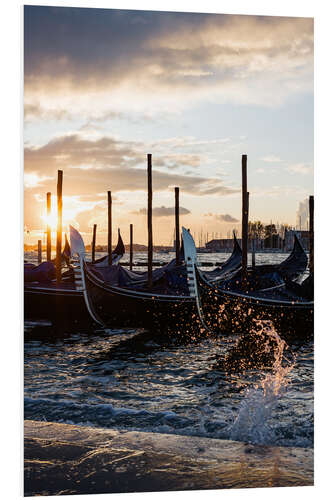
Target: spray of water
(252, 422)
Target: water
(138, 380)
(261, 258)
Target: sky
(102, 88)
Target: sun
(69, 212)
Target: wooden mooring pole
(245, 217)
(109, 228)
(253, 238)
(311, 234)
(39, 251)
(177, 225)
(48, 226)
(93, 244)
(59, 227)
(131, 246)
(253, 254)
(150, 222)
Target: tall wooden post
(131, 246)
(253, 253)
(39, 251)
(311, 234)
(150, 223)
(93, 244)
(59, 227)
(252, 237)
(109, 228)
(271, 235)
(177, 225)
(48, 226)
(245, 217)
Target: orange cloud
(93, 166)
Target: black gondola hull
(121, 307)
(55, 304)
(233, 313)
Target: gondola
(291, 268)
(126, 300)
(48, 300)
(45, 299)
(46, 270)
(232, 312)
(119, 298)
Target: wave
(167, 422)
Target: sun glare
(72, 207)
(69, 212)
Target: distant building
(222, 245)
(270, 242)
(275, 241)
(303, 237)
(227, 244)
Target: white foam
(252, 423)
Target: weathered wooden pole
(48, 226)
(252, 236)
(271, 235)
(39, 251)
(59, 227)
(177, 225)
(311, 234)
(150, 223)
(93, 244)
(109, 228)
(245, 217)
(131, 246)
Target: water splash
(252, 423)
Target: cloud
(188, 141)
(222, 217)
(34, 111)
(79, 56)
(278, 191)
(94, 165)
(33, 179)
(300, 168)
(226, 218)
(271, 159)
(178, 160)
(163, 211)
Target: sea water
(131, 379)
